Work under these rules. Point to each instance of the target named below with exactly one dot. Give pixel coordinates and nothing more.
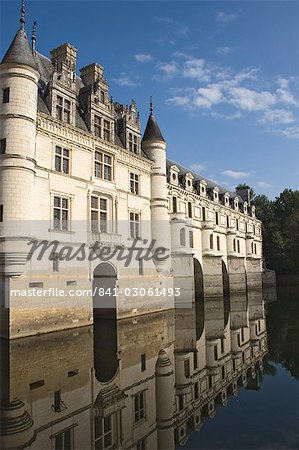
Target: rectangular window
(59, 107)
(238, 246)
(36, 384)
(223, 372)
(103, 432)
(191, 239)
(218, 243)
(67, 111)
(61, 213)
(216, 218)
(174, 204)
(63, 109)
(140, 266)
(196, 391)
(203, 213)
(57, 400)
(134, 183)
(181, 402)
(141, 445)
(55, 260)
(103, 166)
(62, 160)
(143, 362)
(98, 126)
(139, 406)
(36, 284)
(187, 368)
(1, 213)
(134, 225)
(215, 352)
(99, 214)
(237, 224)
(102, 97)
(106, 130)
(3, 146)
(190, 210)
(133, 143)
(63, 441)
(227, 221)
(5, 95)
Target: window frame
(134, 224)
(134, 183)
(100, 165)
(62, 209)
(140, 411)
(62, 158)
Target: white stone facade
(74, 170)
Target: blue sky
(224, 76)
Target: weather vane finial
(33, 38)
(151, 105)
(22, 18)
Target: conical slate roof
(19, 51)
(152, 130)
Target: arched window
(211, 241)
(218, 243)
(182, 237)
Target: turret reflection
(174, 370)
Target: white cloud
(224, 50)
(177, 28)
(251, 100)
(143, 57)
(277, 116)
(178, 100)
(208, 96)
(291, 132)
(263, 184)
(169, 69)
(226, 17)
(235, 174)
(125, 80)
(284, 94)
(198, 167)
(196, 68)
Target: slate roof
(19, 51)
(152, 131)
(197, 177)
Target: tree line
(280, 218)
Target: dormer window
(107, 130)
(174, 175)
(253, 211)
(216, 194)
(98, 126)
(245, 207)
(226, 199)
(63, 109)
(203, 188)
(188, 181)
(133, 143)
(102, 97)
(236, 204)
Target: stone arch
(199, 297)
(104, 322)
(225, 282)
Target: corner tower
(154, 146)
(19, 78)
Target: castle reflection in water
(138, 383)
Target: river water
(220, 375)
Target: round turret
(18, 108)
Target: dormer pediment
(202, 188)
(174, 175)
(216, 191)
(189, 181)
